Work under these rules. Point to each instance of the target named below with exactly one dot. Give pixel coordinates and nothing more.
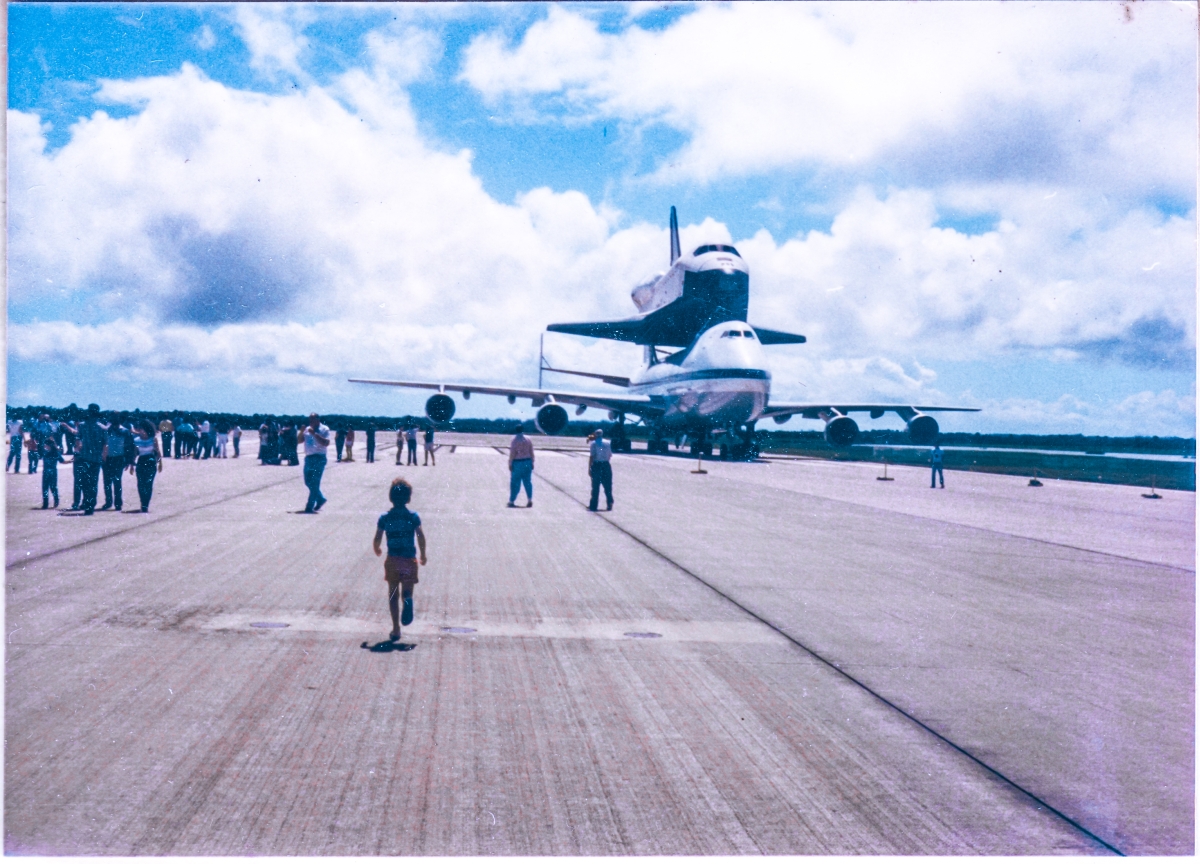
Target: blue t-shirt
(400, 524)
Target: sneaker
(320, 504)
(407, 615)
(511, 504)
(394, 636)
(530, 504)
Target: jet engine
(841, 431)
(551, 419)
(439, 408)
(923, 429)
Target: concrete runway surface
(786, 657)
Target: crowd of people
(100, 446)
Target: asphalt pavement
(786, 657)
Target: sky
(238, 207)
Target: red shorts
(400, 571)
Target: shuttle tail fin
(674, 236)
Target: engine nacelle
(551, 419)
(439, 408)
(923, 429)
(841, 431)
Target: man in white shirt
(600, 469)
(16, 440)
(316, 440)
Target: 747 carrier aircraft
(715, 386)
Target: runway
(786, 657)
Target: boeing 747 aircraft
(714, 385)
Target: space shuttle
(699, 291)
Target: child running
(400, 567)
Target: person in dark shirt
(51, 456)
(119, 454)
(401, 526)
(370, 442)
(90, 451)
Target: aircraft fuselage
(720, 382)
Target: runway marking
(282, 623)
(842, 672)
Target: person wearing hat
(600, 469)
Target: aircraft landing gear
(620, 441)
(745, 448)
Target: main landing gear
(619, 440)
(740, 444)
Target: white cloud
(205, 39)
(295, 240)
(1060, 274)
(273, 35)
(934, 88)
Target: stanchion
(885, 477)
(699, 469)
(1153, 483)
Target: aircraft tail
(674, 235)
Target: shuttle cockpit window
(715, 247)
(733, 334)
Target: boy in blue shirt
(401, 526)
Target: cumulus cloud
(997, 91)
(213, 207)
(273, 33)
(295, 239)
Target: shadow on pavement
(387, 647)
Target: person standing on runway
(370, 442)
(935, 462)
(316, 440)
(520, 467)
(349, 444)
(429, 446)
(118, 453)
(410, 438)
(167, 429)
(400, 570)
(91, 447)
(235, 437)
(149, 463)
(339, 441)
(222, 430)
(16, 442)
(399, 444)
(600, 470)
(51, 456)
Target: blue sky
(237, 207)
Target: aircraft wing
(814, 411)
(640, 406)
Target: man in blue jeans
(316, 439)
(520, 464)
(935, 460)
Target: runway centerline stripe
(830, 664)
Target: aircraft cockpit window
(715, 247)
